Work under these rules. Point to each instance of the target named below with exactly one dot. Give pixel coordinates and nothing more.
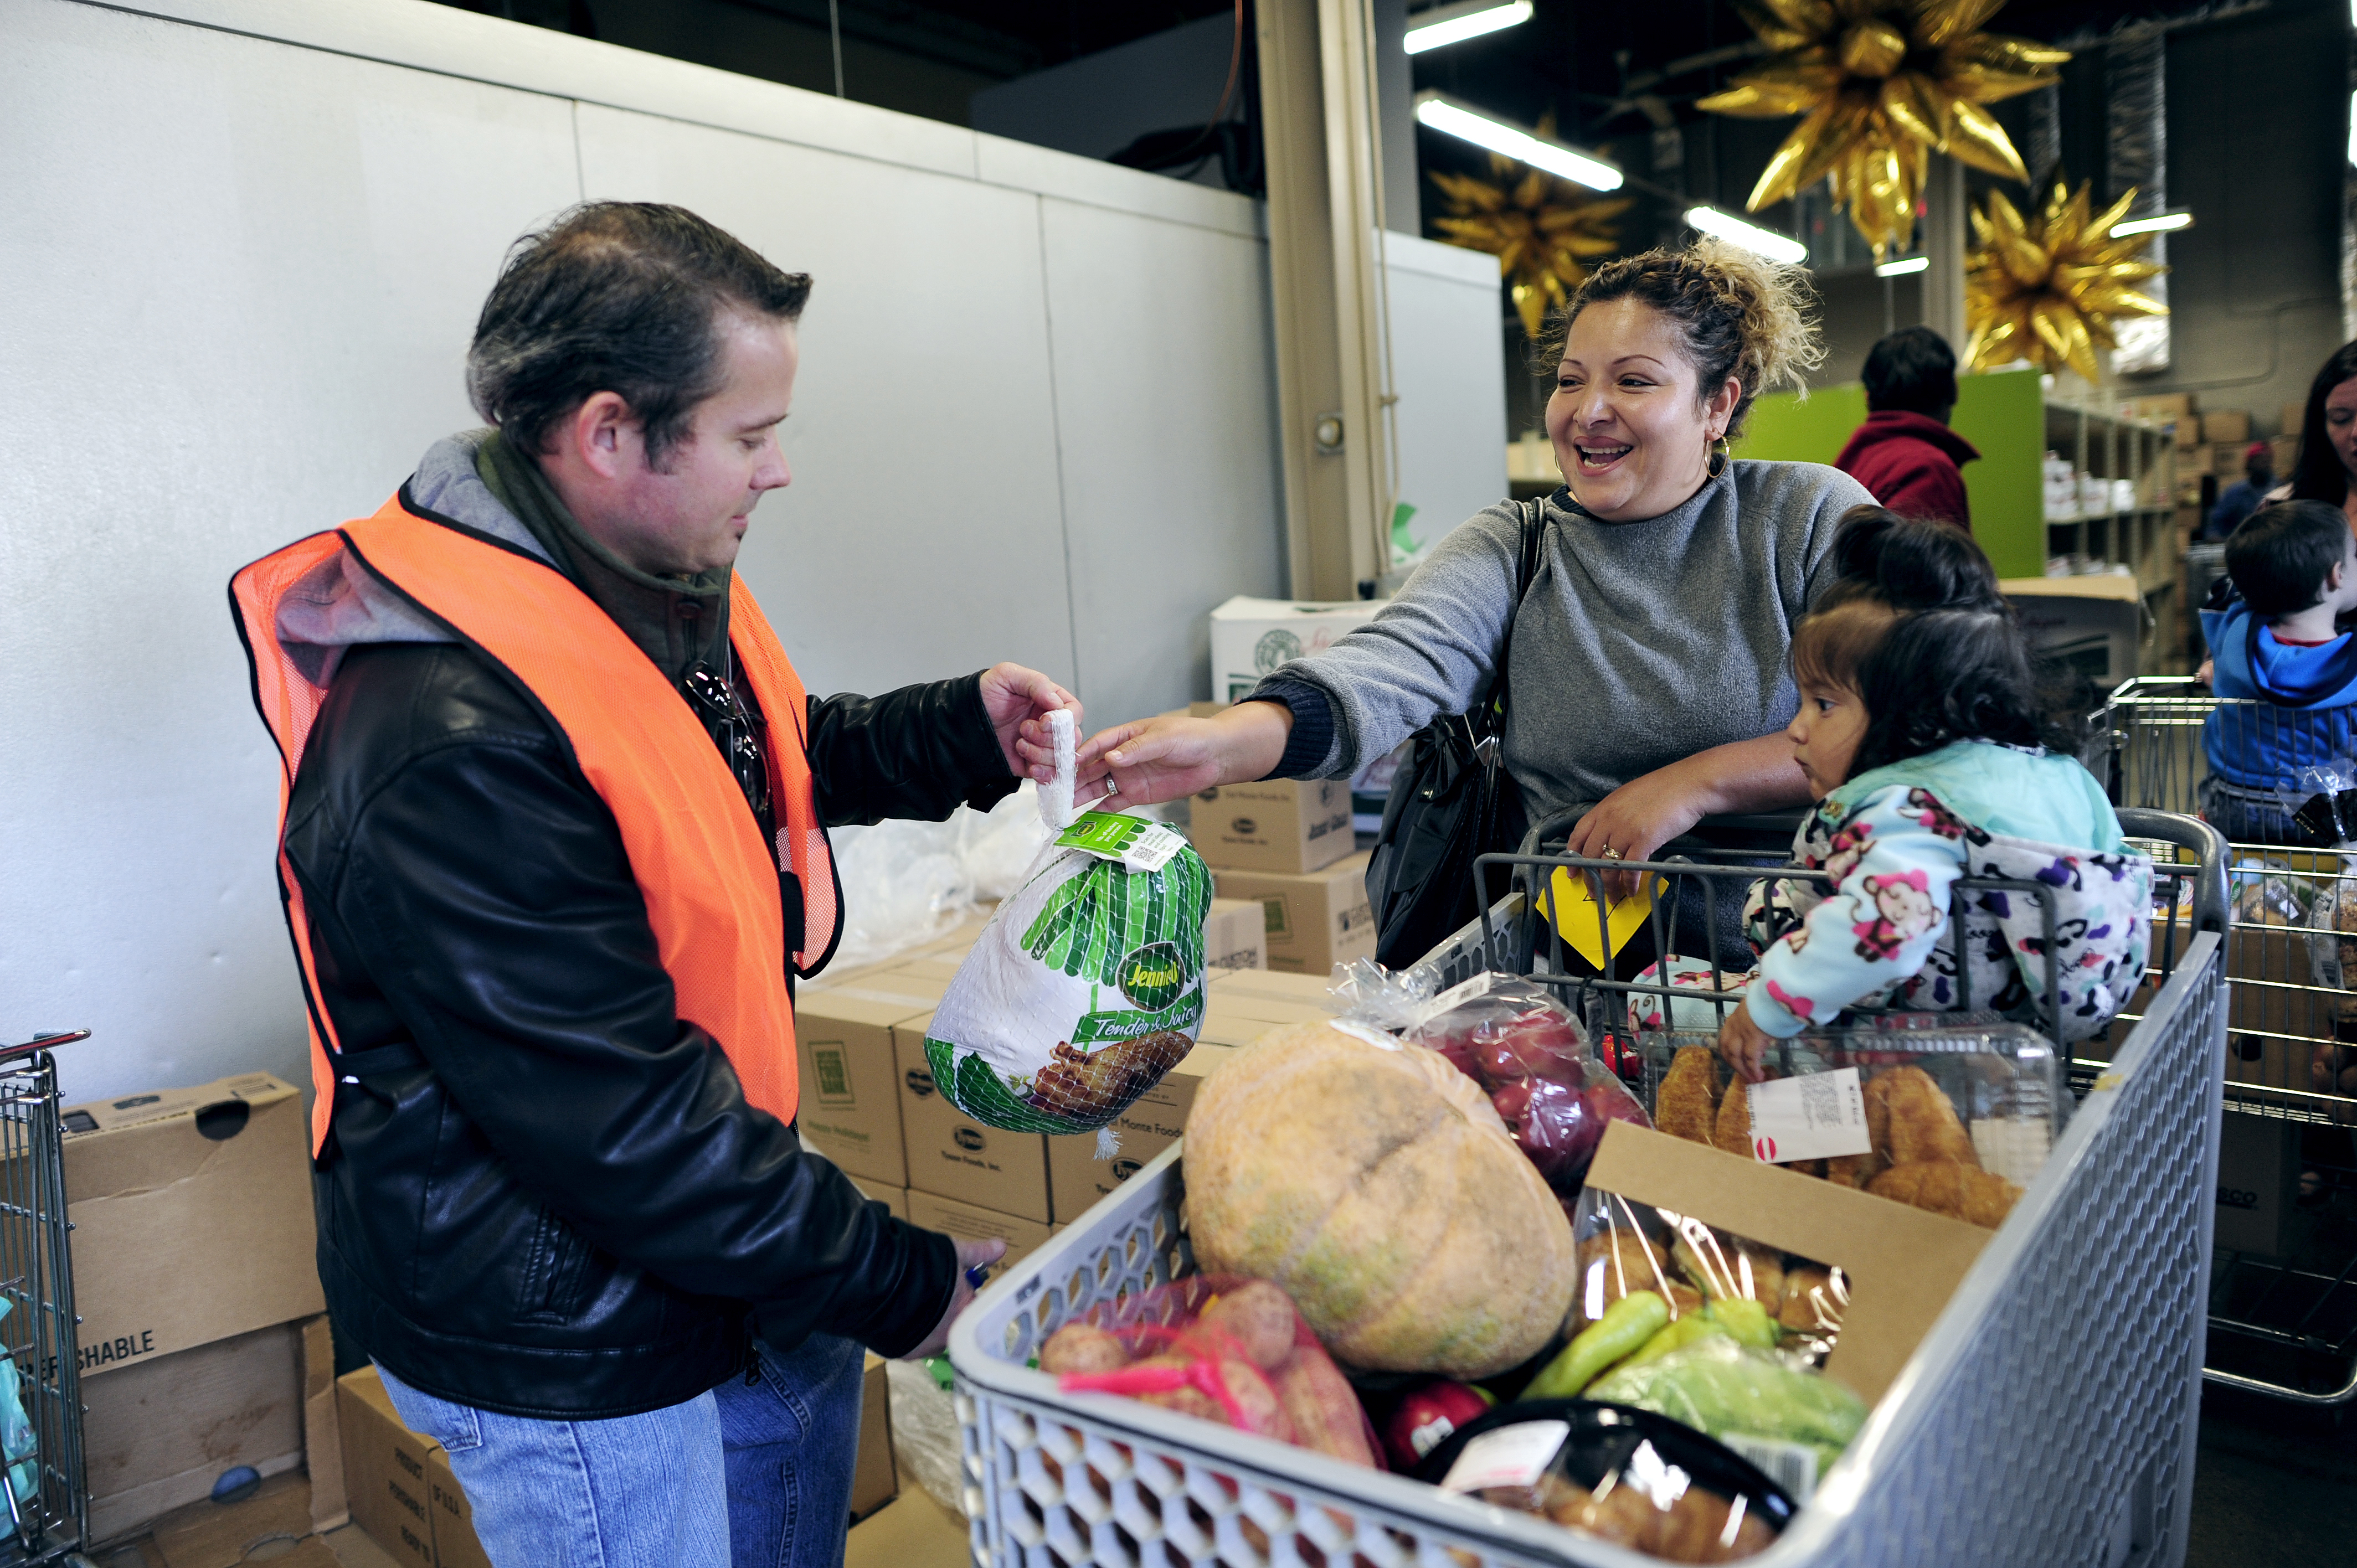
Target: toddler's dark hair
(1909, 564)
(2279, 556)
(1914, 625)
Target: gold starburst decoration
(1884, 84)
(2047, 289)
(1542, 230)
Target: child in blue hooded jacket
(2286, 674)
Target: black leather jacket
(568, 1210)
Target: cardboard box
(1251, 638)
(1290, 825)
(1903, 1264)
(207, 1188)
(2258, 1180)
(1315, 921)
(1235, 936)
(2284, 451)
(1151, 1124)
(2193, 462)
(1193, 711)
(2228, 426)
(874, 1481)
(851, 1104)
(972, 1222)
(272, 1524)
(2291, 419)
(385, 1470)
(950, 1155)
(1310, 990)
(158, 1433)
(914, 1532)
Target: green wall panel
(2002, 415)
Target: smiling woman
(1648, 648)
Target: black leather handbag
(1451, 801)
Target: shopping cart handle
(55, 1037)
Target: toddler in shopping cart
(1934, 754)
(2285, 675)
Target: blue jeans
(750, 1475)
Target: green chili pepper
(1744, 1320)
(1625, 1326)
(1694, 1325)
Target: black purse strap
(1492, 711)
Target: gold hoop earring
(1719, 455)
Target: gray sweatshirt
(1638, 643)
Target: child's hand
(1743, 1046)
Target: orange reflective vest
(711, 884)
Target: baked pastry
(1722, 1266)
(1853, 1170)
(1946, 1186)
(1733, 1128)
(1686, 1104)
(1623, 1261)
(1812, 1304)
(1911, 1122)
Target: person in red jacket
(1905, 453)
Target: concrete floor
(2276, 1485)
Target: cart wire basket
(45, 1495)
(2049, 1416)
(2284, 1286)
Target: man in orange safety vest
(554, 853)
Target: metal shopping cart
(2049, 1416)
(2284, 1287)
(44, 1494)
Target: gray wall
(244, 253)
(247, 243)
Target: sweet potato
(1324, 1409)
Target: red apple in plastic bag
(1425, 1419)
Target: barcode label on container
(1791, 1466)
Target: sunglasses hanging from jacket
(736, 728)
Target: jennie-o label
(1812, 1117)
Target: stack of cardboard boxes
(204, 1343)
(869, 1104)
(1286, 844)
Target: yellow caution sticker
(1572, 906)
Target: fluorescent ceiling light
(1470, 20)
(1446, 114)
(2165, 224)
(2353, 111)
(1751, 236)
(1902, 266)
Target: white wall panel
(239, 280)
(1165, 394)
(1448, 364)
(924, 535)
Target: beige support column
(1325, 182)
(1947, 232)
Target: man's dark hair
(2316, 474)
(1912, 368)
(2278, 558)
(619, 296)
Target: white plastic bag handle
(1056, 799)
